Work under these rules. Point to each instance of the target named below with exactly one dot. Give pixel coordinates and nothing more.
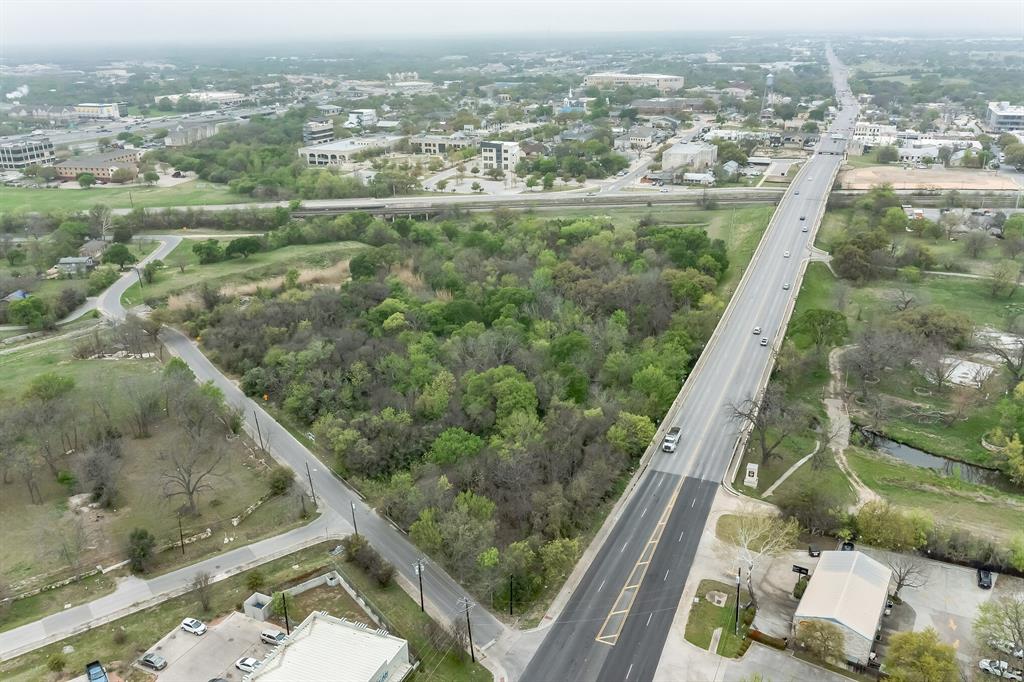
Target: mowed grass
(27, 610)
(192, 193)
(257, 267)
(981, 509)
(705, 618)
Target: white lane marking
(649, 615)
(623, 546)
(629, 671)
(602, 585)
(643, 513)
(692, 504)
(680, 536)
(666, 576)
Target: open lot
(212, 655)
(191, 193)
(914, 178)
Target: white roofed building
(327, 648)
(849, 590)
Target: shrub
(280, 480)
(800, 587)
(140, 548)
(120, 636)
(56, 662)
(254, 580)
(359, 552)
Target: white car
(663, 190)
(1000, 669)
(804, 229)
(757, 331)
(786, 286)
(191, 625)
(247, 664)
(1006, 648)
(764, 341)
(785, 254)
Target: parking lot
(191, 658)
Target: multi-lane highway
(615, 625)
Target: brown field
(913, 178)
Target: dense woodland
(490, 384)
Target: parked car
(847, 546)
(1006, 648)
(812, 550)
(984, 579)
(153, 662)
(196, 627)
(274, 637)
(94, 672)
(247, 664)
(1000, 669)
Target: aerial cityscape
(515, 341)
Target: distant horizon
(102, 24)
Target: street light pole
(419, 573)
(736, 624)
(354, 525)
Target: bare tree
(1004, 279)
(202, 584)
(69, 539)
(908, 571)
(822, 639)
(142, 404)
(1011, 353)
(1001, 620)
(756, 537)
(99, 469)
(27, 465)
(937, 365)
(188, 469)
(1013, 247)
(771, 419)
(904, 301)
(975, 244)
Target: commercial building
(918, 154)
(102, 166)
(317, 131)
(361, 118)
(503, 155)
(662, 82)
(215, 97)
(1002, 118)
(29, 151)
(693, 155)
(440, 145)
(183, 135)
(341, 151)
(640, 137)
(329, 109)
(706, 179)
(93, 110)
(848, 590)
(325, 647)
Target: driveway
(191, 658)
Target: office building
(1002, 118)
(102, 166)
(440, 145)
(848, 590)
(361, 118)
(212, 97)
(342, 151)
(502, 155)
(93, 110)
(662, 82)
(26, 152)
(325, 647)
(693, 155)
(317, 131)
(329, 109)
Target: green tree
(49, 386)
(1001, 619)
(921, 657)
(1014, 155)
(887, 154)
(151, 177)
(476, 187)
(453, 445)
(426, 532)
(208, 251)
(140, 549)
(881, 525)
(631, 433)
(558, 557)
(86, 180)
(31, 312)
(822, 639)
(825, 328)
(894, 220)
(243, 246)
(119, 255)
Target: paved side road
(134, 594)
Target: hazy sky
(42, 23)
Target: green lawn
(33, 608)
(862, 160)
(705, 618)
(192, 193)
(978, 508)
(254, 269)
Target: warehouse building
(693, 155)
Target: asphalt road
(615, 625)
(441, 592)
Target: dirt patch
(333, 275)
(916, 178)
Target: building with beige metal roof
(324, 647)
(849, 590)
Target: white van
(272, 637)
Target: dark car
(812, 550)
(847, 546)
(984, 579)
(153, 662)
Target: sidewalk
(134, 594)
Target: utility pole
(419, 573)
(284, 603)
(736, 624)
(138, 272)
(258, 432)
(310, 477)
(355, 526)
(466, 604)
(510, 588)
(181, 536)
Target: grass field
(705, 618)
(981, 509)
(254, 269)
(192, 193)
